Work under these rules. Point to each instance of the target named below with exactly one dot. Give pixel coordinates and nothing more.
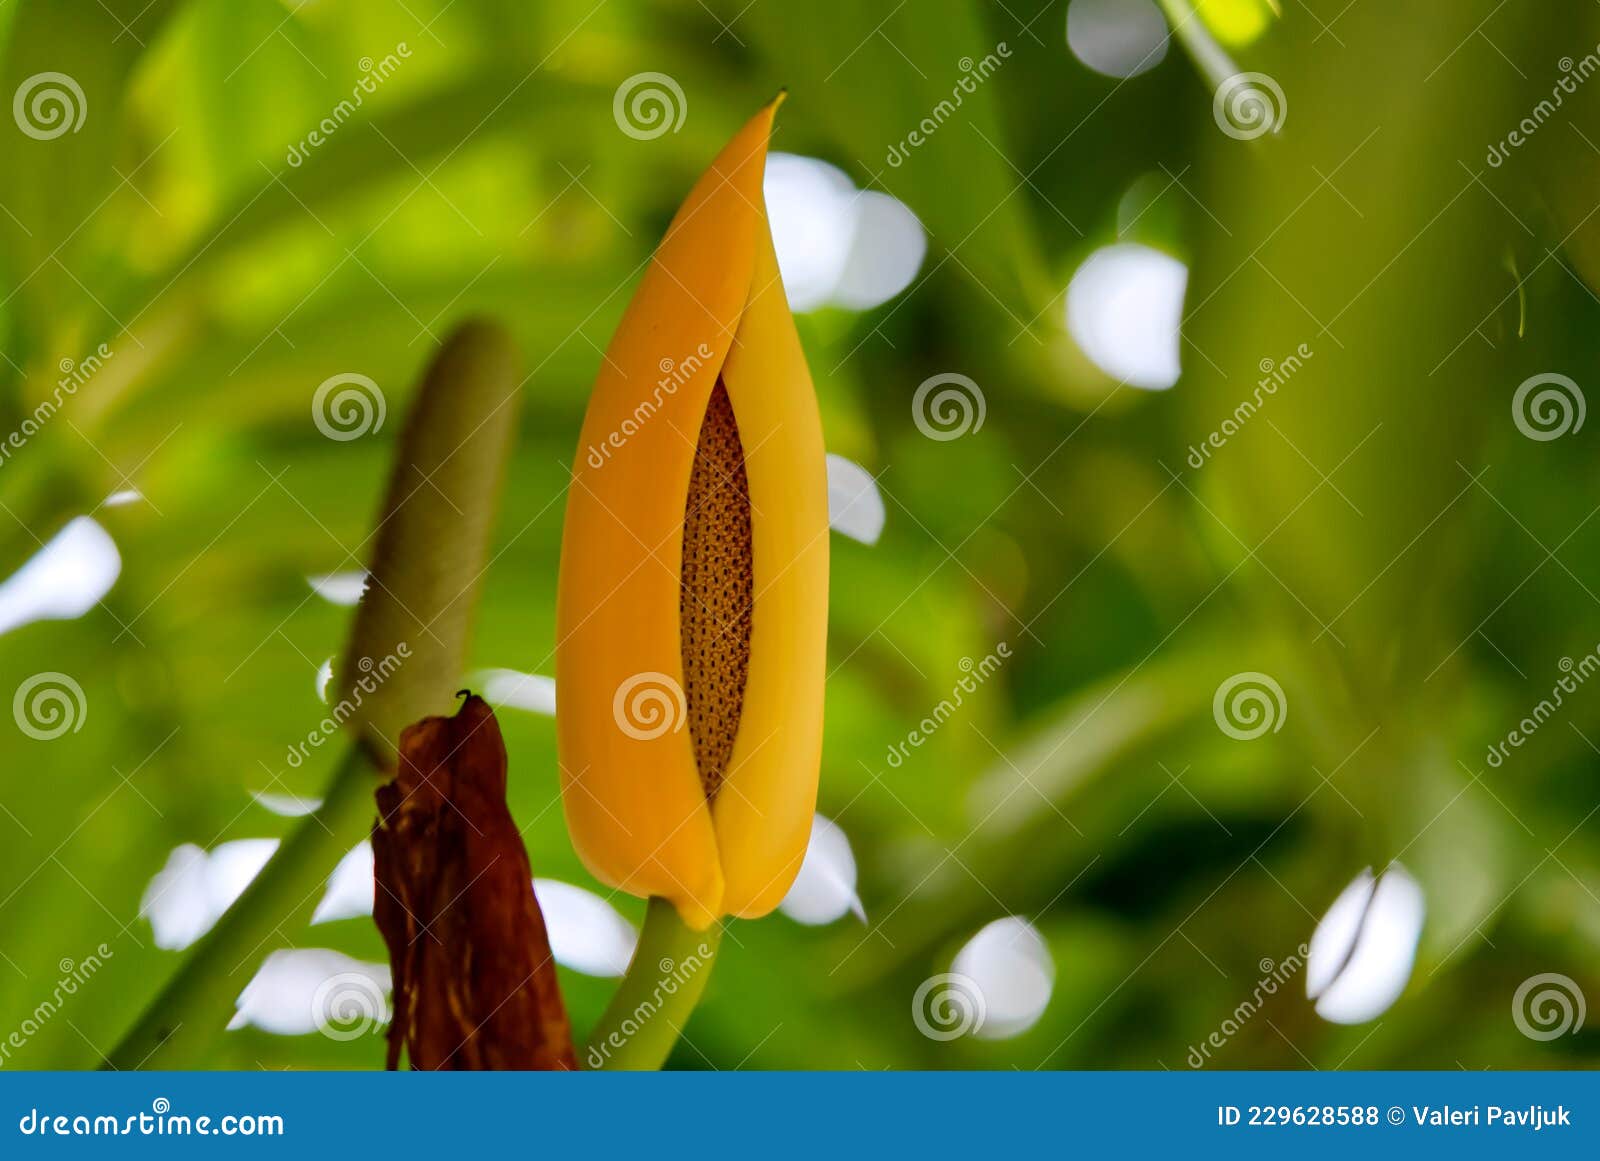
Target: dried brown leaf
(474, 982)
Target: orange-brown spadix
(692, 612)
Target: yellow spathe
(710, 306)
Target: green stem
(195, 1005)
(1209, 57)
(663, 984)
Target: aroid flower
(692, 612)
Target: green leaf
(69, 65)
(404, 142)
(913, 97)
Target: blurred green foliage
(1382, 538)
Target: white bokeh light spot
(285, 805)
(350, 887)
(1011, 966)
(1117, 38)
(837, 245)
(339, 588)
(1124, 307)
(855, 506)
(282, 998)
(825, 888)
(587, 934)
(513, 689)
(810, 206)
(232, 867)
(886, 252)
(177, 902)
(64, 579)
(192, 890)
(1363, 950)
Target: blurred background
(1211, 492)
